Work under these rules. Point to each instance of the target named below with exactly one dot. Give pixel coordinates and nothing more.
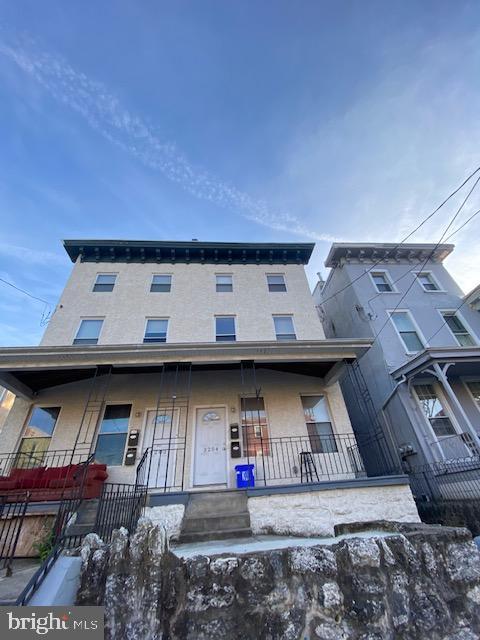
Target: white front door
(161, 435)
(210, 464)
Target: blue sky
(259, 121)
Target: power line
(334, 295)
(428, 257)
(25, 292)
(419, 261)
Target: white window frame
(170, 275)
(465, 380)
(42, 405)
(420, 335)
(223, 275)
(460, 317)
(129, 427)
(284, 315)
(284, 282)
(388, 279)
(146, 325)
(432, 277)
(224, 315)
(102, 318)
(105, 273)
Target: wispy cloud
(31, 256)
(104, 113)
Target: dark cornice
(186, 252)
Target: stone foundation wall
(420, 582)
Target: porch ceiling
(25, 371)
(465, 361)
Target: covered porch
(182, 417)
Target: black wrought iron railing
(120, 505)
(12, 515)
(35, 459)
(447, 481)
(164, 466)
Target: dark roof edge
(193, 251)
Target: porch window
(254, 427)
(427, 281)
(105, 282)
(434, 411)
(406, 329)
(284, 329)
(381, 282)
(276, 282)
(319, 425)
(455, 325)
(161, 283)
(113, 434)
(225, 329)
(223, 284)
(88, 332)
(37, 437)
(474, 388)
(156, 331)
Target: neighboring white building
(192, 358)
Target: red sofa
(54, 483)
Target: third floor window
(381, 282)
(276, 282)
(161, 284)
(223, 283)
(105, 282)
(427, 281)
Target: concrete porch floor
(23, 569)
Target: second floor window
(427, 282)
(88, 331)
(276, 282)
(162, 284)
(156, 330)
(381, 281)
(105, 282)
(462, 336)
(224, 283)
(284, 329)
(225, 329)
(407, 331)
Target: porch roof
(465, 359)
(27, 370)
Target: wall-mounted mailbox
(133, 438)
(235, 450)
(234, 432)
(130, 456)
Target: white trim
(147, 318)
(432, 277)
(82, 318)
(388, 279)
(162, 273)
(105, 273)
(465, 380)
(194, 438)
(421, 337)
(467, 327)
(42, 405)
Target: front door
(210, 465)
(161, 436)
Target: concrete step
(201, 536)
(80, 529)
(217, 522)
(201, 504)
(87, 512)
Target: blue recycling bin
(245, 475)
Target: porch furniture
(307, 467)
(53, 483)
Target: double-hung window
(88, 331)
(284, 329)
(225, 329)
(427, 282)
(381, 282)
(319, 425)
(37, 436)
(113, 434)
(407, 331)
(223, 283)
(460, 333)
(156, 330)
(161, 284)
(434, 411)
(105, 282)
(474, 388)
(276, 282)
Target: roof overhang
(28, 370)
(465, 356)
(186, 252)
(341, 252)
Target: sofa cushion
(27, 477)
(61, 483)
(8, 484)
(53, 473)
